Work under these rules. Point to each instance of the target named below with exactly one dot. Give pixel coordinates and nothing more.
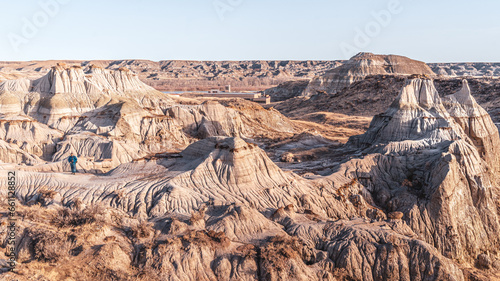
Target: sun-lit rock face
(99, 109)
(417, 118)
(476, 123)
(68, 91)
(225, 169)
(362, 65)
(20, 85)
(227, 187)
(432, 159)
(10, 104)
(415, 197)
(68, 101)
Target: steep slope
(112, 116)
(417, 199)
(422, 163)
(229, 190)
(362, 65)
(216, 169)
(476, 123)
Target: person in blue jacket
(72, 162)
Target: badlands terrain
(376, 168)
(190, 75)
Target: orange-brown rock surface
(190, 194)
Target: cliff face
(361, 66)
(428, 159)
(476, 123)
(97, 110)
(416, 200)
(189, 196)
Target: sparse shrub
(35, 213)
(219, 237)
(142, 230)
(210, 238)
(198, 216)
(407, 183)
(395, 215)
(72, 218)
(49, 246)
(247, 250)
(344, 189)
(276, 256)
(47, 194)
(77, 204)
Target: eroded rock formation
(112, 116)
(361, 66)
(423, 163)
(416, 200)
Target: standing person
(72, 162)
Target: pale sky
(431, 31)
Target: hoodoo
(417, 117)
(423, 162)
(417, 198)
(477, 124)
(98, 109)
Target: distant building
(228, 88)
(255, 97)
(213, 91)
(265, 99)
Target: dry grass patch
(142, 230)
(73, 218)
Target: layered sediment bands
(361, 66)
(234, 171)
(416, 200)
(66, 92)
(10, 104)
(215, 170)
(233, 190)
(385, 251)
(21, 85)
(189, 75)
(33, 138)
(101, 110)
(423, 164)
(208, 119)
(471, 69)
(416, 117)
(477, 124)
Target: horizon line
(225, 60)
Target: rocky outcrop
(234, 192)
(189, 75)
(33, 138)
(287, 90)
(417, 199)
(476, 123)
(421, 162)
(471, 69)
(417, 117)
(112, 116)
(361, 66)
